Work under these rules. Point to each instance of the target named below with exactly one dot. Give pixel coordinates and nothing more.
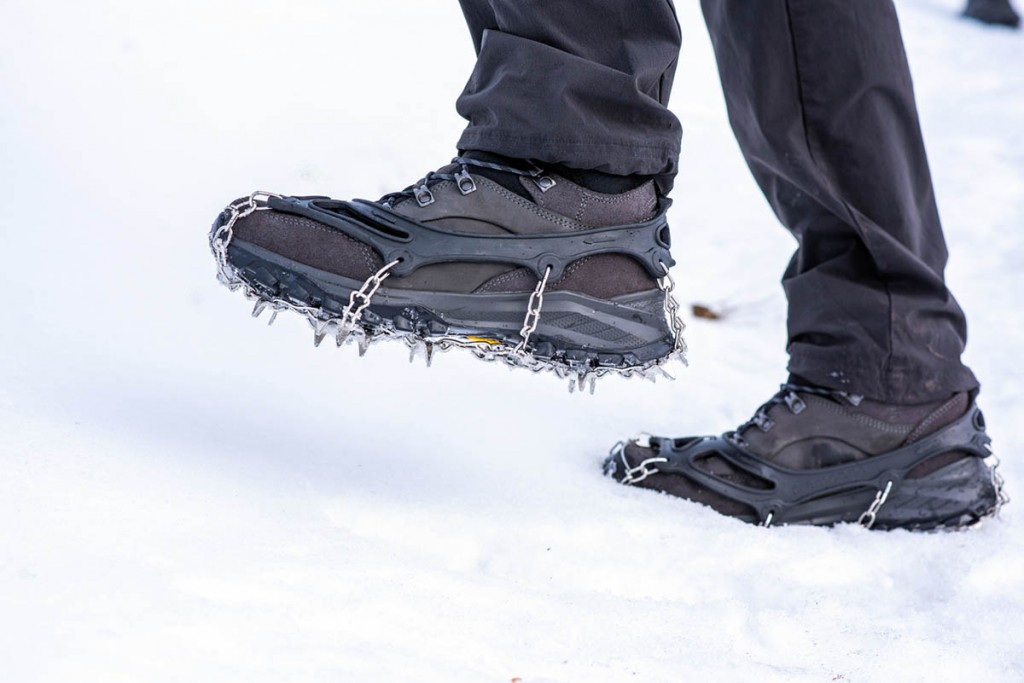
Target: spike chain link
(221, 237)
(668, 285)
(359, 300)
(867, 518)
(638, 472)
(532, 313)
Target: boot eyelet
(544, 182)
(795, 403)
(424, 197)
(465, 182)
(735, 438)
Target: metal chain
(1002, 498)
(640, 471)
(668, 285)
(867, 519)
(350, 316)
(221, 238)
(532, 313)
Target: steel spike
(428, 349)
(341, 335)
(581, 382)
(258, 309)
(317, 338)
(273, 317)
(364, 343)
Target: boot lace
(788, 395)
(420, 190)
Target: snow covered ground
(186, 495)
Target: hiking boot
(510, 261)
(997, 12)
(815, 456)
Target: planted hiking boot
(814, 456)
(513, 263)
(995, 12)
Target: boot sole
(575, 330)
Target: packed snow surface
(187, 495)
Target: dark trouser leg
(583, 84)
(821, 102)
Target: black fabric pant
(820, 100)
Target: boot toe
(308, 242)
(635, 458)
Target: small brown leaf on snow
(706, 312)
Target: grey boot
(814, 456)
(515, 264)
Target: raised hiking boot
(814, 456)
(514, 264)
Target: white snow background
(187, 495)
